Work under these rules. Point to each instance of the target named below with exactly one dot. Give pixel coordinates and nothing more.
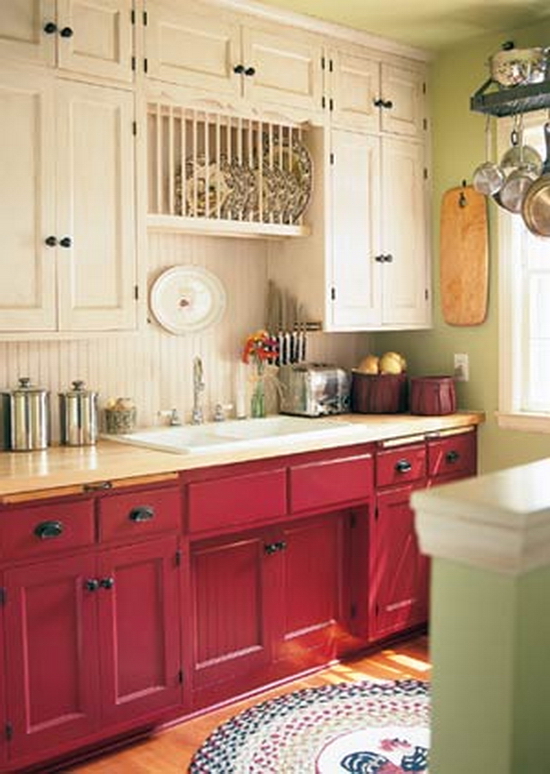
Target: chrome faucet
(197, 417)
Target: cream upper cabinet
(197, 46)
(376, 96)
(90, 37)
(67, 206)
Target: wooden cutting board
(464, 256)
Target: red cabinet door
(230, 597)
(311, 601)
(398, 572)
(3, 751)
(139, 637)
(52, 669)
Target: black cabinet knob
(452, 456)
(66, 32)
(378, 102)
(403, 466)
(388, 104)
(107, 583)
(91, 584)
(250, 71)
(238, 69)
(51, 241)
(273, 548)
(47, 530)
(50, 28)
(65, 242)
(388, 258)
(142, 513)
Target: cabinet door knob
(66, 241)
(388, 104)
(273, 548)
(379, 258)
(91, 584)
(238, 69)
(50, 27)
(250, 71)
(51, 241)
(452, 456)
(403, 466)
(66, 32)
(143, 513)
(388, 258)
(47, 530)
(107, 583)
(378, 102)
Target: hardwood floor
(170, 751)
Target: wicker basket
(379, 393)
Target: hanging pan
(536, 204)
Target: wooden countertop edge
(68, 470)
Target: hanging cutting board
(464, 256)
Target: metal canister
(78, 415)
(27, 409)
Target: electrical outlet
(462, 368)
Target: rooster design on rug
(373, 763)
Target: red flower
(260, 347)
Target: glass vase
(257, 400)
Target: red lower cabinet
(398, 588)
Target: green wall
(458, 147)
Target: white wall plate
(186, 299)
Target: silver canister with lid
(26, 412)
(78, 415)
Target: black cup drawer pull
(403, 466)
(273, 548)
(91, 584)
(107, 583)
(143, 513)
(47, 530)
(452, 456)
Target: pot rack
(510, 101)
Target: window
(524, 295)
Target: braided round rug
(357, 728)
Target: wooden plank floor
(170, 751)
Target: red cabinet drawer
(45, 529)
(453, 455)
(330, 482)
(400, 465)
(237, 500)
(133, 514)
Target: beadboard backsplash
(154, 367)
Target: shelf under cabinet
(228, 228)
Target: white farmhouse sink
(236, 434)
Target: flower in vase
(260, 349)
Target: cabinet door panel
(27, 209)
(313, 565)
(229, 598)
(405, 277)
(192, 49)
(96, 208)
(356, 231)
(330, 482)
(356, 87)
(398, 571)
(405, 90)
(52, 659)
(101, 43)
(21, 31)
(455, 456)
(139, 630)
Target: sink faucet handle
(219, 411)
(173, 416)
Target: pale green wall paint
(490, 639)
(458, 146)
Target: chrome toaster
(314, 389)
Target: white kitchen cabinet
(374, 96)
(266, 64)
(366, 265)
(67, 206)
(90, 37)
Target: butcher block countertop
(66, 469)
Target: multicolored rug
(349, 728)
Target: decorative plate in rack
(186, 299)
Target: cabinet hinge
(8, 729)
(145, 18)
(322, 63)
(3, 596)
(145, 65)
(136, 292)
(331, 104)
(425, 173)
(376, 514)
(353, 611)
(178, 557)
(180, 677)
(330, 65)
(132, 16)
(333, 294)
(426, 294)
(423, 88)
(425, 124)
(133, 63)
(353, 521)
(134, 128)
(323, 103)
(332, 158)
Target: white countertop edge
(498, 522)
